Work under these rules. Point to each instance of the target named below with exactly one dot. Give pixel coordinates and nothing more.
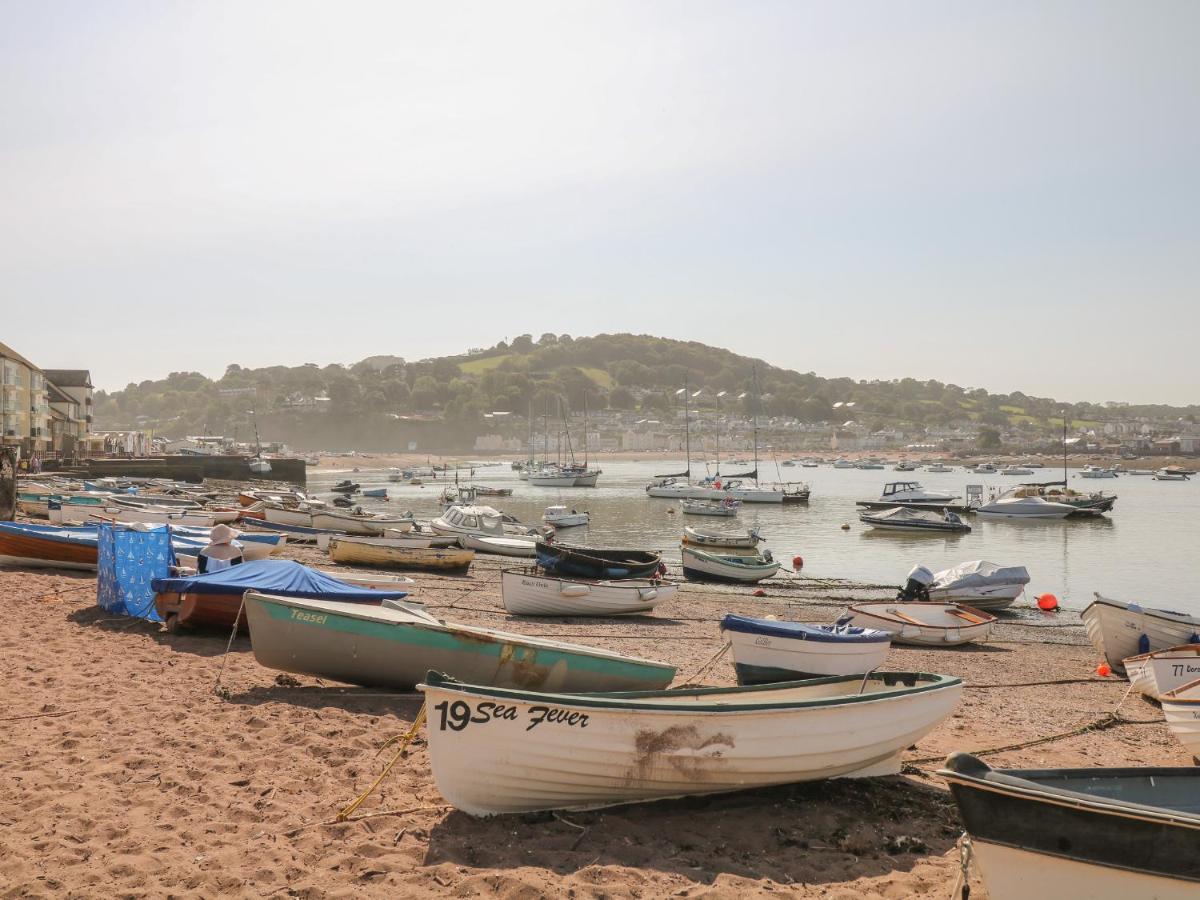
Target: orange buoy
(758, 592)
(797, 562)
(1103, 670)
(1047, 602)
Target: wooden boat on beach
(356, 523)
(739, 568)
(47, 546)
(213, 600)
(716, 537)
(922, 622)
(1181, 707)
(1080, 834)
(390, 554)
(532, 592)
(496, 750)
(391, 646)
(1154, 674)
(766, 651)
(588, 562)
(1121, 630)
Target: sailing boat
(258, 465)
(670, 486)
(587, 476)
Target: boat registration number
(458, 715)
(314, 618)
(1178, 670)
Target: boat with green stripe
(395, 645)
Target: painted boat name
(315, 618)
(458, 715)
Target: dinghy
(715, 537)
(1121, 630)
(1081, 834)
(511, 751)
(709, 565)
(398, 555)
(1154, 674)
(1181, 706)
(766, 651)
(531, 592)
(498, 546)
(375, 581)
(213, 600)
(928, 624)
(903, 518)
(47, 546)
(600, 565)
(979, 584)
(358, 523)
(393, 646)
(727, 508)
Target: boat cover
(980, 573)
(831, 634)
(908, 514)
(283, 577)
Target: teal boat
(395, 645)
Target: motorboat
(938, 467)
(905, 466)
(1096, 472)
(903, 518)
(533, 592)
(562, 517)
(1084, 502)
(1171, 473)
(1080, 834)
(1120, 630)
(496, 751)
(985, 469)
(482, 528)
(766, 651)
(901, 492)
(843, 463)
(1025, 508)
(922, 622)
(727, 508)
(979, 584)
(1016, 470)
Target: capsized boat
(213, 600)
(391, 554)
(766, 651)
(532, 592)
(903, 518)
(717, 537)
(1081, 834)
(1154, 674)
(499, 750)
(922, 622)
(979, 584)
(712, 565)
(391, 646)
(599, 564)
(1181, 707)
(1121, 630)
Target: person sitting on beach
(221, 552)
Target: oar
(907, 618)
(962, 615)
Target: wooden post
(8, 483)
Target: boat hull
(1117, 629)
(34, 551)
(924, 624)
(988, 599)
(366, 553)
(511, 752)
(537, 594)
(374, 648)
(769, 659)
(699, 565)
(498, 546)
(1181, 708)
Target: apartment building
(37, 414)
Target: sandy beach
(125, 774)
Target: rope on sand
(401, 751)
(712, 661)
(224, 656)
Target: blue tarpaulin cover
(284, 577)
(129, 561)
(848, 634)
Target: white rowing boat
(919, 622)
(1121, 630)
(1156, 673)
(532, 592)
(766, 651)
(511, 751)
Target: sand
(123, 774)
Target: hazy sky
(1001, 195)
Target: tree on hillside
(989, 439)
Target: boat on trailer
(766, 651)
(1080, 834)
(923, 622)
(532, 592)
(496, 751)
(1121, 630)
(394, 646)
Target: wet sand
(122, 772)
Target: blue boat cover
(839, 634)
(284, 577)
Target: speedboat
(482, 528)
(1096, 472)
(561, 517)
(985, 469)
(979, 584)
(912, 492)
(903, 518)
(1171, 473)
(1026, 508)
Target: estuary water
(1142, 551)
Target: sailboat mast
(687, 430)
(1064, 415)
(585, 430)
(757, 400)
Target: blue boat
(766, 651)
(376, 493)
(601, 565)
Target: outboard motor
(917, 585)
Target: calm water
(1141, 551)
